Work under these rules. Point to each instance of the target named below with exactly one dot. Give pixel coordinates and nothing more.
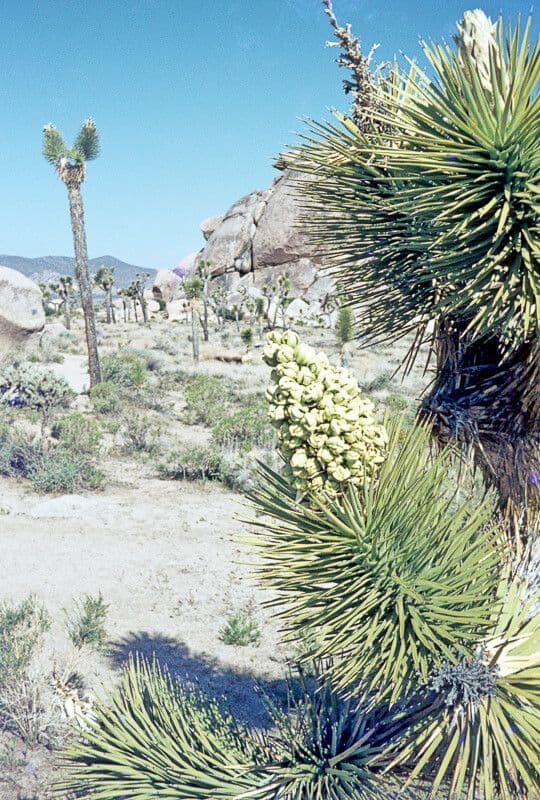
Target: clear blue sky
(193, 99)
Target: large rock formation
(259, 238)
(21, 309)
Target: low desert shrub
(244, 428)
(86, 622)
(140, 434)
(62, 470)
(191, 464)
(18, 455)
(123, 369)
(24, 385)
(241, 630)
(78, 432)
(205, 396)
(22, 627)
(105, 398)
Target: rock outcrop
(21, 309)
(259, 238)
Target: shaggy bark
(81, 269)
(489, 405)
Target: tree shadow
(237, 687)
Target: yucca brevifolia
(64, 289)
(70, 164)
(104, 279)
(204, 272)
(124, 295)
(193, 288)
(136, 289)
(429, 217)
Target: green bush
(140, 434)
(29, 386)
(241, 630)
(191, 464)
(123, 369)
(86, 623)
(205, 396)
(18, 456)
(78, 432)
(345, 324)
(22, 628)
(105, 398)
(245, 428)
(63, 470)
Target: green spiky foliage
(331, 747)
(477, 733)
(85, 146)
(396, 577)
(156, 738)
(429, 217)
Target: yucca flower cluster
(328, 434)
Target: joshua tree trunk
(81, 269)
(195, 330)
(111, 305)
(67, 316)
(480, 402)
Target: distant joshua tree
(104, 279)
(70, 165)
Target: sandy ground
(165, 556)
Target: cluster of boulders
(255, 241)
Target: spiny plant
(29, 386)
(397, 575)
(426, 209)
(241, 630)
(476, 730)
(70, 165)
(156, 737)
(345, 325)
(104, 279)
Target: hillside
(64, 265)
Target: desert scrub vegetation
(241, 630)
(191, 464)
(78, 431)
(24, 385)
(244, 428)
(205, 396)
(58, 466)
(124, 369)
(106, 398)
(85, 622)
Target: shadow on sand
(238, 688)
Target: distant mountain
(64, 265)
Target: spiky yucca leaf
(396, 578)
(54, 146)
(330, 747)
(155, 738)
(87, 141)
(478, 732)
(440, 214)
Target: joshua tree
(70, 165)
(429, 217)
(64, 289)
(193, 288)
(125, 297)
(204, 271)
(104, 279)
(137, 293)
